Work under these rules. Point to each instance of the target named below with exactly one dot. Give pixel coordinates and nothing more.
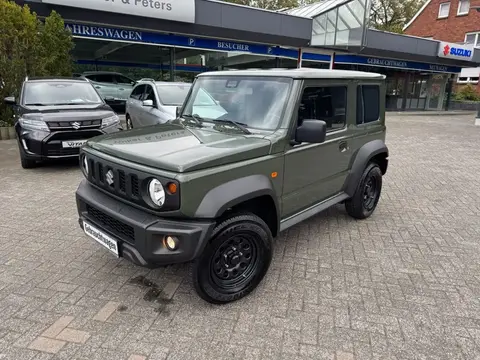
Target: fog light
(171, 242)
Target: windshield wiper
(36, 104)
(237, 124)
(197, 119)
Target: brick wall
(451, 29)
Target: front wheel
(235, 260)
(363, 203)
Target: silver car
(154, 102)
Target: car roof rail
(147, 79)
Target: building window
(324, 103)
(444, 10)
(463, 7)
(368, 94)
(472, 39)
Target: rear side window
(368, 103)
(105, 78)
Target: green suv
(250, 154)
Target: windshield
(173, 94)
(59, 92)
(256, 102)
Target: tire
(235, 260)
(26, 163)
(365, 199)
(128, 121)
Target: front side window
(327, 103)
(137, 92)
(149, 94)
(59, 93)
(463, 7)
(444, 10)
(120, 79)
(254, 101)
(172, 94)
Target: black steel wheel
(235, 260)
(364, 202)
(128, 122)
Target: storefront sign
(175, 10)
(397, 64)
(455, 51)
(104, 32)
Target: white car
(154, 102)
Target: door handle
(343, 146)
(97, 87)
(121, 89)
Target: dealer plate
(73, 143)
(100, 237)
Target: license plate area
(101, 237)
(73, 143)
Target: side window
(123, 79)
(105, 78)
(149, 94)
(327, 103)
(137, 92)
(368, 94)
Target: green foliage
(267, 4)
(466, 93)
(29, 48)
(392, 15)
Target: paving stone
(403, 284)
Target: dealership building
(160, 34)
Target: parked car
(114, 87)
(154, 102)
(216, 186)
(55, 117)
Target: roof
(100, 72)
(148, 80)
(302, 73)
(315, 9)
(416, 15)
(58, 78)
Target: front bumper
(40, 145)
(139, 234)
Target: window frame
(440, 16)
(476, 34)
(360, 87)
(458, 8)
(311, 83)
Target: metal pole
(477, 119)
(299, 59)
(172, 64)
(332, 61)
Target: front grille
(61, 151)
(128, 183)
(74, 125)
(53, 144)
(118, 228)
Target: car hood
(68, 112)
(178, 149)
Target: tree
(392, 15)
(29, 48)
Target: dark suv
(55, 117)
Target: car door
(105, 84)
(150, 114)
(134, 105)
(124, 86)
(316, 172)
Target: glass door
(436, 91)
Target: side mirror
(10, 100)
(109, 98)
(311, 131)
(148, 103)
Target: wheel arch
(252, 193)
(373, 151)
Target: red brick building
(455, 21)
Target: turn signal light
(172, 188)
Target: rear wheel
(128, 120)
(235, 260)
(364, 202)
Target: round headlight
(85, 165)
(156, 192)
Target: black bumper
(39, 145)
(139, 234)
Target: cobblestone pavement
(404, 284)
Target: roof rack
(147, 79)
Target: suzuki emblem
(76, 125)
(446, 50)
(109, 177)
